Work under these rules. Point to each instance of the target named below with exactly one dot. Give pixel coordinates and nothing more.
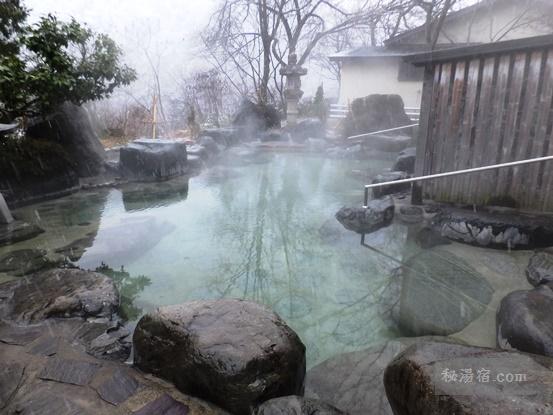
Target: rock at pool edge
(234, 353)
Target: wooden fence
(484, 105)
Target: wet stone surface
(525, 321)
(415, 383)
(540, 268)
(24, 261)
(234, 353)
(296, 405)
(18, 231)
(69, 371)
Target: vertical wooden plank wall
(487, 110)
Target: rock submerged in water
(525, 321)
(58, 293)
(296, 405)
(24, 261)
(378, 214)
(353, 381)
(18, 231)
(234, 353)
(440, 294)
(435, 378)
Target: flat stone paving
(44, 370)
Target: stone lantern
(293, 73)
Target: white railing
(454, 173)
(414, 113)
(341, 111)
(338, 111)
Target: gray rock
(234, 353)
(306, 128)
(164, 405)
(117, 388)
(153, 159)
(273, 135)
(18, 231)
(374, 113)
(440, 294)
(197, 150)
(210, 144)
(525, 321)
(386, 143)
(72, 127)
(392, 188)
(378, 214)
(296, 405)
(410, 214)
(24, 261)
(406, 160)
(223, 137)
(75, 372)
(252, 118)
(353, 381)
(540, 268)
(495, 230)
(59, 293)
(426, 380)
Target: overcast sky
(167, 29)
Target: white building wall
(376, 76)
(500, 20)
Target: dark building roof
(475, 51)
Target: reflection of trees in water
(274, 255)
(129, 288)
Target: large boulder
(354, 382)
(374, 113)
(223, 137)
(253, 118)
(406, 160)
(540, 268)
(58, 293)
(306, 128)
(436, 378)
(525, 321)
(377, 214)
(72, 127)
(494, 229)
(234, 353)
(153, 159)
(390, 176)
(296, 405)
(440, 294)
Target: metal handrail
(453, 173)
(382, 131)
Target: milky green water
(261, 229)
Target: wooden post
(423, 145)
